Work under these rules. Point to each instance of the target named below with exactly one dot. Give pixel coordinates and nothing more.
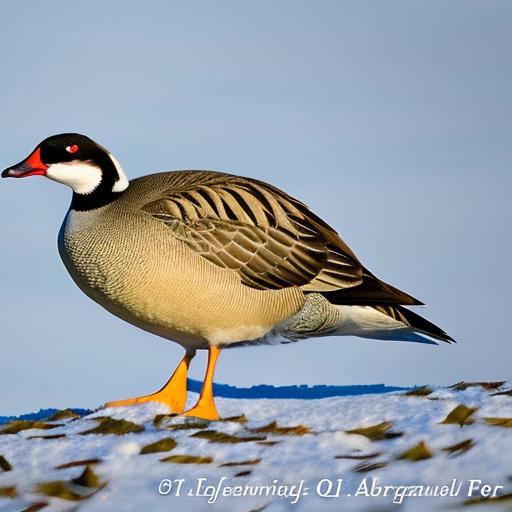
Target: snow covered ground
(270, 454)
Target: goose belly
(146, 277)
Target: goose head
(89, 169)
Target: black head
(77, 161)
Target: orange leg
(205, 407)
(173, 394)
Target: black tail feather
(416, 322)
(371, 291)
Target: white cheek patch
(122, 182)
(82, 177)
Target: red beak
(31, 166)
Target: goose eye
(72, 149)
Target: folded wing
(269, 238)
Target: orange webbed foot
(173, 394)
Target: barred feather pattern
(269, 238)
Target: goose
(211, 261)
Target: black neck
(102, 194)
(86, 202)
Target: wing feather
(269, 238)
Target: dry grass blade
(163, 445)
(242, 418)
(259, 509)
(65, 414)
(159, 419)
(76, 463)
(8, 491)
(359, 457)
(111, 426)
(364, 467)
(215, 436)
(59, 489)
(275, 429)
(499, 422)
(187, 459)
(244, 473)
(377, 432)
(459, 448)
(268, 443)
(461, 386)
(416, 453)
(4, 464)
(461, 415)
(35, 507)
(506, 392)
(13, 427)
(88, 478)
(240, 463)
(192, 425)
(52, 436)
(421, 391)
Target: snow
(132, 480)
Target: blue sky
(392, 120)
